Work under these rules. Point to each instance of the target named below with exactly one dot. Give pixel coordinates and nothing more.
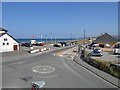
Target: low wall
(38, 50)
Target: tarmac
(69, 54)
(24, 53)
(55, 71)
(72, 54)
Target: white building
(7, 42)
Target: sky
(62, 19)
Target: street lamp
(41, 38)
(46, 38)
(84, 37)
(51, 37)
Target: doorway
(15, 47)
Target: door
(15, 47)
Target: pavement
(55, 71)
(69, 54)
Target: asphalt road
(57, 72)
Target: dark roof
(105, 38)
(2, 29)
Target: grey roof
(105, 38)
(3, 29)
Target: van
(116, 49)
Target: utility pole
(84, 37)
(46, 38)
(51, 36)
(71, 36)
(41, 38)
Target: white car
(116, 49)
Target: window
(3, 44)
(7, 43)
(5, 39)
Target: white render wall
(2, 31)
(11, 41)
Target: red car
(41, 44)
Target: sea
(45, 40)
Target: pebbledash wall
(7, 43)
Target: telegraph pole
(51, 37)
(84, 37)
(71, 37)
(41, 38)
(46, 38)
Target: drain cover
(43, 69)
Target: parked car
(57, 45)
(116, 49)
(97, 49)
(26, 44)
(65, 44)
(38, 44)
(96, 53)
(41, 44)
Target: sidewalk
(70, 53)
(97, 72)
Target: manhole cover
(43, 69)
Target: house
(105, 40)
(7, 42)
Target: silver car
(96, 53)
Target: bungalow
(105, 40)
(7, 42)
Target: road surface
(57, 72)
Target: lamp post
(41, 38)
(84, 37)
(71, 36)
(51, 36)
(46, 38)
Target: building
(7, 42)
(105, 40)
